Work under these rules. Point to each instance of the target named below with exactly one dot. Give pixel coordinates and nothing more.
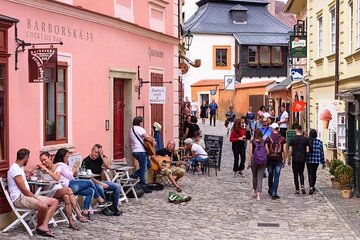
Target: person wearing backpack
(298, 147)
(257, 160)
(276, 159)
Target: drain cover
(268, 225)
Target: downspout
(337, 39)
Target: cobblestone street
(223, 207)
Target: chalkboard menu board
(289, 135)
(215, 144)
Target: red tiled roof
(207, 82)
(288, 19)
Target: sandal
(82, 219)
(45, 233)
(178, 189)
(75, 227)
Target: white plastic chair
(22, 214)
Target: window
(237, 54)
(124, 9)
(222, 58)
(239, 16)
(55, 101)
(276, 56)
(253, 55)
(264, 55)
(3, 123)
(332, 31)
(320, 40)
(351, 8)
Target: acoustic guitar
(160, 160)
(149, 147)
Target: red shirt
(234, 136)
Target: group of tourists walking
(267, 148)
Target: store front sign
(40, 59)
(298, 106)
(157, 95)
(298, 46)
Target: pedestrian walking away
(257, 161)
(230, 118)
(213, 109)
(298, 147)
(238, 140)
(276, 159)
(314, 157)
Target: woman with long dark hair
(256, 169)
(314, 158)
(238, 139)
(81, 187)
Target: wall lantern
(188, 40)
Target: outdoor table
(39, 185)
(88, 176)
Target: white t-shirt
(52, 187)
(136, 146)
(199, 151)
(14, 190)
(194, 106)
(282, 119)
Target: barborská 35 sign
(298, 46)
(157, 95)
(41, 59)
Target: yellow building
(338, 121)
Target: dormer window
(238, 14)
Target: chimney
(271, 7)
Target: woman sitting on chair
(51, 172)
(81, 187)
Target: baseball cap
(266, 115)
(274, 125)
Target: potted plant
(332, 169)
(345, 177)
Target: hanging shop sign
(42, 65)
(298, 106)
(298, 46)
(229, 82)
(157, 95)
(212, 91)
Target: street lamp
(188, 40)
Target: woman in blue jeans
(81, 187)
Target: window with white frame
(157, 15)
(320, 37)
(332, 31)
(351, 36)
(124, 9)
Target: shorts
(175, 171)
(29, 202)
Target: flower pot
(346, 193)
(335, 184)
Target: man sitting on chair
(22, 197)
(171, 170)
(198, 154)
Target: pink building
(98, 91)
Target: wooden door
(118, 118)
(157, 110)
(256, 101)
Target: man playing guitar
(164, 158)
